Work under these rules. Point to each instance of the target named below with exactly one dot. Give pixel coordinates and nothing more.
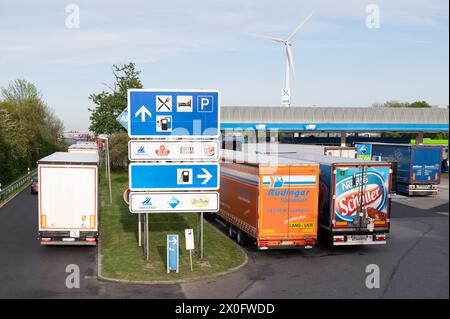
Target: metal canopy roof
(336, 119)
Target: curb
(168, 282)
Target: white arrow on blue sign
(173, 176)
(173, 113)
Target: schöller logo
(162, 151)
(349, 200)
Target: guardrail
(11, 188)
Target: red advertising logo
(210, 150)
(349, 202)
(162, 151)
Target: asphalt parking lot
(414, 263)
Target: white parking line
(442, 213)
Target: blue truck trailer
(418, 167)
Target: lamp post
(107, 164)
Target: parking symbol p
(205, 103)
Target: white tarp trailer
(68, 199)
(83, 147)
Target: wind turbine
(285, 92)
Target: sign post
(173, 176)
(172, 253)
(147, 236)
(189, 238)
(139, 230)
(174, 150)
(173, 113)
(201, 235)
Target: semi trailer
(83, 147)
(418, 167)
(268, 200)
(68, 199)
(354, 199)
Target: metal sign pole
(198, 232)
(139, 230)
(145, 238)
(109, 173)
(190, 257)
(201, 235)
(146, 230)
(106, 163)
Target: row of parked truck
(281, 197)
(284, 196)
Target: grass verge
(123, 259)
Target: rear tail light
(338, 239)
(90, 240)
(46, 239)
(380, 237)
(310, 242)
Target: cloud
(111, 31)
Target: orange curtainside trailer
(270, 200)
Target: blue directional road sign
(173, 113)
(123, 118)
(173, 176)
(172, 252)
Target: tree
(416, 104)
(19, 91)
(110, 104)
(118, 150)
(419, 104)
(29, 129)
(402, 104)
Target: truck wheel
(231, 230)
(240, 238)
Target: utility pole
(107, 164)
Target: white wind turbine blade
(292, 35)
(290, 59)
(266, 37)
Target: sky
(339, 60)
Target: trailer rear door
(361, 198)
(67, 197)
(426, 165)
(304, 202)
(274, 206)
(289, 202)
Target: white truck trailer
(83, 147)
(68, 199)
